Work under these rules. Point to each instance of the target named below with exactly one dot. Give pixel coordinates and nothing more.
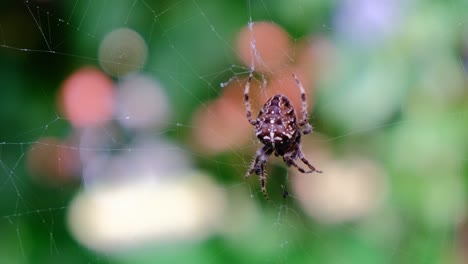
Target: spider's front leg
(247, 101)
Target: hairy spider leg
(263, 180)
(258, 166)
(305, 116)
(247, 102)
(262, 154)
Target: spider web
(387, 94)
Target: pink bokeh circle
(87, 97)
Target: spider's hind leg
(255, 166)
(263, 183)
(307, 129)
(289, 161)
(258, 166)
(306, 162)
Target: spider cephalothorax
(278, 130)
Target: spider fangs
(278, 129)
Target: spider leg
(247, 102)
(255, 166)
(306, 162)
(258, 166)
(308, 127)
(263, 181)
(289, 161)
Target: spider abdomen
(276, 122)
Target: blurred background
(124, 139)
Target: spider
(278, 129)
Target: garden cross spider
(278, 129)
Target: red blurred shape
(87, 97)
(53, 162)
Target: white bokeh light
(147, 158)
(118, 217)
(349, 190)
(141, 102)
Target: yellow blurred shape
(123, 216)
